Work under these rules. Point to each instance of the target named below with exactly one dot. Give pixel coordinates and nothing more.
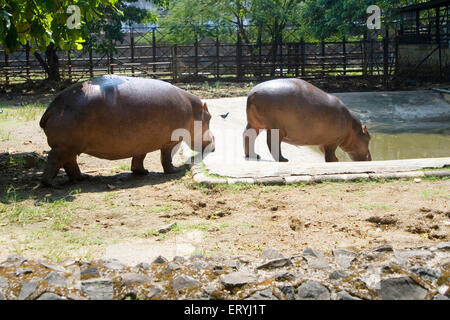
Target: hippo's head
(208, 141)
(360, 145)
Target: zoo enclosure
(144, 53)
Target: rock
(199, 264)
(217, 270)
(444, 246)
(179, 259)
(171, 267)
(196, 256)
(371, 280)
(403, 256)
(313, 290)
(184, 282)
(2, 296)
(315, 259)
(277, 263)
(98, 289)
(130, 279)
(154, 292)
(21, 272)
(271, 254)
(237, 279)
(384, 248)
(54, 268)
(28, 288)
(56, 279)
(289, 292)
(167, 228)
(143, 265)
(436, 297)
(90, 272)
(4, 282)
(50, 296)
(16, 260)
(426, 273)
(114, 265)
(284, 276)
(160, 260)
(344, 258)
(337, 274)
(444, 290)
(344, 295)
(262, 295)
(403, 288)
(234, 264)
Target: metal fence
(143, 54)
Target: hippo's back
(124, 114)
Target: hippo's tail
(48, 113)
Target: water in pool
(403, 125)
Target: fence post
(364, 54)
(69, 61)
(132, 50)
(344, 52)
(154, 49)
(281, 55)
(196, 54)
(260, 68)
(175, 63)
(27, 55)
(239, 57)
(6, 69)
(91, 64)
(386, 59)
(217, 58)
(302, 56)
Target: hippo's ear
(365, 130)
(205, 107)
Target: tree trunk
(53, 63)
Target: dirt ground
(113, 207)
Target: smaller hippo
(304, 116)
(115, 118)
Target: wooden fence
(140, 55)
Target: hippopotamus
(304, 116)
(115, 117)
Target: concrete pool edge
(433, 167)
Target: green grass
(375, 206)
(166, 208)
(27, 113)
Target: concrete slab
(398, 110)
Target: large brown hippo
(304, 116)
(115, 117)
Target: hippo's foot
(255, 157)
(283, 159)
(174, 170)
(140, 172)
(80, 178)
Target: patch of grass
(375, 206)
(125, 167)
(161, 209)
(27, 112)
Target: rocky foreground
(381, 273)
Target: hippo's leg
(276, 153)
(166, 158)
(250, 136)
(73, 170)
(137, 165)
(54, 163)
(329, 152)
